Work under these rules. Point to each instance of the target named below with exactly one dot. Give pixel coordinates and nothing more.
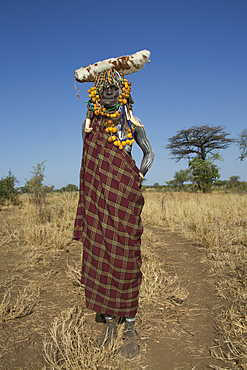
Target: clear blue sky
(197, 76)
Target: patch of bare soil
(177, 334)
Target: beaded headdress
(110, 77)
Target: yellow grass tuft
(18, 304)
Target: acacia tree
(198, 141)
(200, 144)
(242, 144)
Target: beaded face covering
(104, 80)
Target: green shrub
(70, 188)
(35, 186)
(8, 192)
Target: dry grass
(20, 303)
(218, 223)
(41, 232)
(70, 347)
(40, 229)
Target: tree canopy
(198, 141)
(182, 176)
(204, 172)
(69, 187)
(242, 144)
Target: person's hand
(141, 176)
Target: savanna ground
(192, 311)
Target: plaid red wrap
(109, 223)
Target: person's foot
(109, 334)
(131, 347)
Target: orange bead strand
(111, 129)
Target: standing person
(108, 218)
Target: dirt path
(183, 343)
(190, 332)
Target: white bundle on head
(126, 64)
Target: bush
(70, 188)
(8, 192)
(204, 172)
(35, 186)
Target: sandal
(108, 336)
(131, 348)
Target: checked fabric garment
(108, 221)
